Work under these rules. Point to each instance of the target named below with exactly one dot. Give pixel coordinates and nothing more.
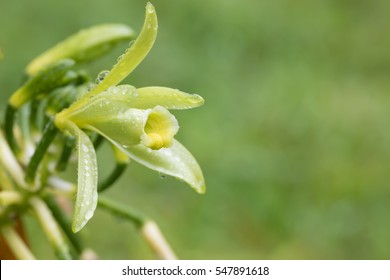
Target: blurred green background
(294, 137)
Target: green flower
(137, 121)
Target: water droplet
(162, 176)
(101, 76)
(119, 58)
(131, 43)
(90, 87)
(85, 148)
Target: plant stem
(156, 240)
(10, 114)
(9, 162)
(6, 181)
(48, 137)
(50, 227)
(9, 198)
(64, 223)
(66, 153)
(149, 229)
(98, 141)
(122, 211)
(61, 186)
(16, 243)
(115, 174)
(122, 160)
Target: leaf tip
(150, 8)
(201, 189)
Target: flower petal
(167, 97)
(175, 161)
(86, 199)
(134, 55)
(83, 46)
(118, 99)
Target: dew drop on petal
(120, 57)
(101, 76)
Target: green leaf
(133, 55)
(83, 46)
(86, 199)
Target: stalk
(16, 243)
(50, 228)
(148, 228)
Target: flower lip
(154, 128)
(160, 128)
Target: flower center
(160, 128)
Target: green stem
(24, 120)
(34, 114)
(122, 211)
(64, 222)
(156, 240)
(48, 137)
(10, 197)
(148, 228)
(16, 243)
(9, 163)
(98, 141)
(122, 160)
(10, 114)
(50, 227)
(66, 153)
(115, 175)
(6, 182)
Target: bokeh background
(294, 137)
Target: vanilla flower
(137, 121)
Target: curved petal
(87, 178)
(117, 99)
(175, 161)
(168, 97)
(134, 55)
(83, 46)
